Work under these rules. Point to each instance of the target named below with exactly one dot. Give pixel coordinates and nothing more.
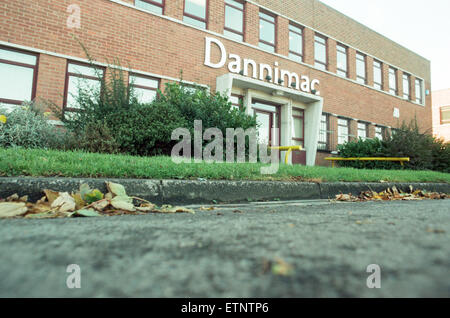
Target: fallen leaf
(100, 205)
(122, 203)
(12, 209)
(51, 195)
(116, 189)
(64, 203)
(207, 209)
(87, 213)
(282, 268)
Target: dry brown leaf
(121, 203)
(12, 209)
(51, 195)
(64, 203)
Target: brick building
(298, 65)
(441, 114)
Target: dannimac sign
(258, 71)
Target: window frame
(317, 35)
(143, 86)
(185, 14)
(419, 99)
(275, 25)
(302, 118)
(391, 90)
(375, 83)
(339, 45)
(366, 129)
(68, 74)
(302, 29)
(35, 69)
(408, 78)
(240, 99)
(348, 129)
(326, 143)
(162, 6)
(359, 79)
(444, 108)
(225, 28)
(382, 132)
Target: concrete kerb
(207, 192)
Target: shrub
(424, 151)
(26, 126)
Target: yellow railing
(289, 149)
(334, 159)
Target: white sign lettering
(248, 67)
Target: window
(195, 12)
(360, 68)
(234, 20)
(377, 75)
(320, 52)
(445, 115)
(145, 88)
(295, 43)
(298, 127)
(81, 78)
(323, 133)
(392, 81)
(236, 101)
(155, 6)
(362, 131)
(419, 92)
(18, 74)
(379, 132)
(343, 131)
(341, 60)
(267, 32)
(406, 83)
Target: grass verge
(47, 163)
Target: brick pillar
(332, 58)
(282, 36)
(351, 63)
(174, 9)
(216, 16)
(251, 24)
(333, 135)
(371, 131)
(385, 68)
(51, 78)
(353, 124)
(369, 70)
(400, 83)
(308, 50)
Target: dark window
(81, 78)
(298, 127)
(320, 52)
(236, 101)
(377, 75)
(195, 12)
(341, 60)
(18, 77)
(392, 81)
(234, 20)
(295, 43)
(361, 68)
(323, 133)
(267, 32)
(406, 83)
(419, 92)
(145, 88)
(155, 6)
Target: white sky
(421, 26)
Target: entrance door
(267, 116)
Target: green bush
(28, 127)
(425, 152)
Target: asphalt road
(223, 253)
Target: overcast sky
(421, 26)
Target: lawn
(37, 162)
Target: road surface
(309, 249)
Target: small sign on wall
(396, 112)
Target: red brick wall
(157, 45)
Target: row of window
(195, 13)
(445, 115)
(343, 133)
